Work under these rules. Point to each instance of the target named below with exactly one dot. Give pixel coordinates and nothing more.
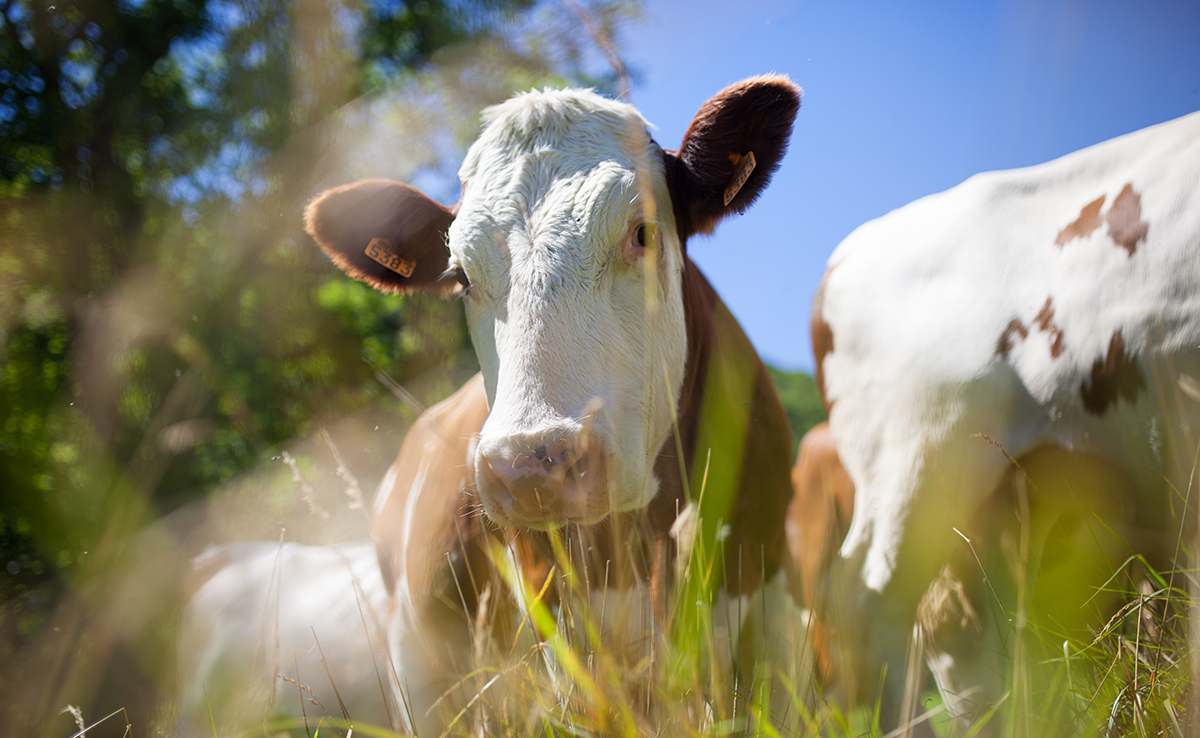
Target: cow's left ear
(730, 151)
(385, 233)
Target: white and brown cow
(1053, 307)
(617, 381)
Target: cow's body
(1053, 306)
(434, 543)
(617, 382)
(258, 613)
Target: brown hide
(817, 522)
(432, 480)
(822, 340)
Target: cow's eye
(637, 240)
(460, 276)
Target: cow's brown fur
(1082, 227)
(817, 522)
(1014, 328)
(822, 340)
(434, 454)
(728, 126)
(1044, 321)
(1125, 224)
(1114, 376)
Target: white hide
(918, 299)
(256, 617)
(559, 308)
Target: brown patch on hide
(817, 522)
(1044, 321)
(1014, 328)
(1125, 224)
(1114, 376)
(1087, 222)
(822, 340)
(717, 344)
(433, 465)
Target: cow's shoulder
(736, 441)
(422, 512)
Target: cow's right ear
(385, 233)
(730, 151)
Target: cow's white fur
(916, 302)
(551, 192)
(255, 618)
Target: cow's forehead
(555, 166)
(576, 122)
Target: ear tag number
(378, 251)
(743, 166)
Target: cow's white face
(566, 235)
(570, 236)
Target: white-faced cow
(614, 376)
(1053, 307)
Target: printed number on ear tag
(743, 166)
(378, 251)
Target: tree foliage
(801, 401)
(164, 323)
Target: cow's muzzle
(544, 480)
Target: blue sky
(901, 100)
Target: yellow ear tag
(743, 166)
(379, 251)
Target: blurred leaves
(801, 401)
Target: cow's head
(568, 249)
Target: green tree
(801, 400)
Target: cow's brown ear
(385, 233)
(730, 151)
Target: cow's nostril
(540, 452)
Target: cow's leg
(774, 646)
(963, 648)
(909, 507)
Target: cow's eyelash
(459, 275)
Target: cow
(620, 390)
(1046, 308)
(287, 631)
